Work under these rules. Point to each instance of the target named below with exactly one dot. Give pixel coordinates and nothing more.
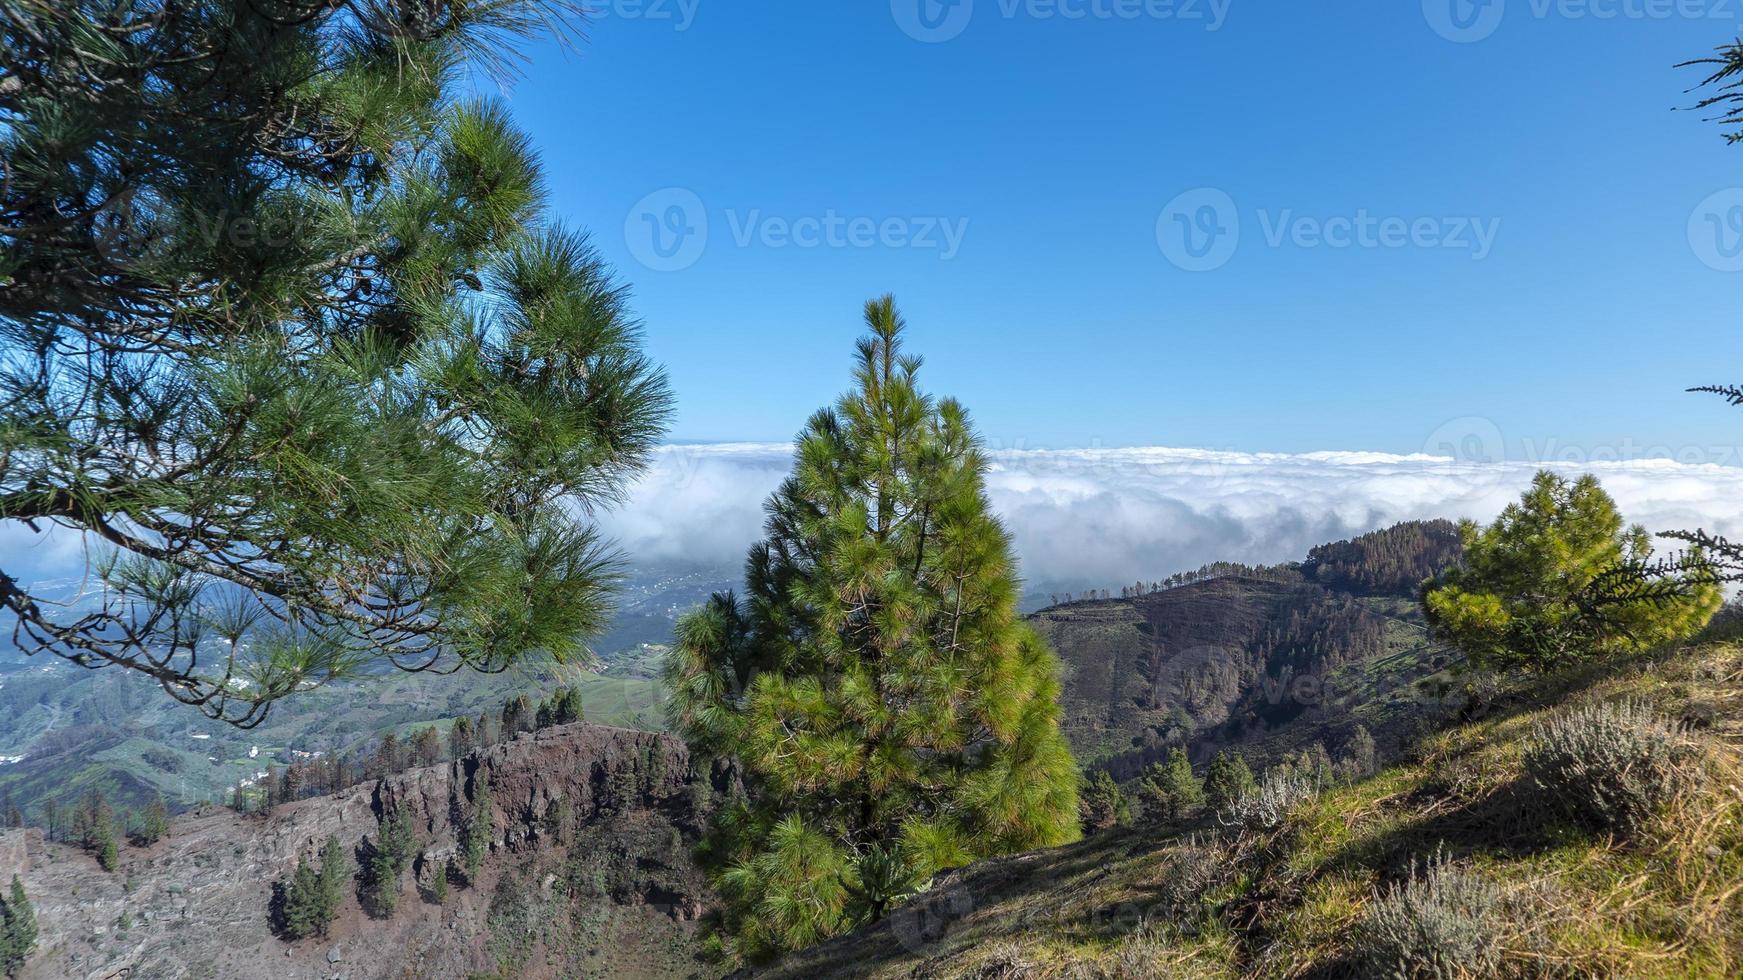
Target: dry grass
(1283, 902)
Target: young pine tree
(1559, 579)
(1169, 790)
(892, 714)
(1227, 780)
(335, 876)
(475, 841)
(302, 903)
(1102, 804)
(17, 928)
(152, 824)
(395, 846)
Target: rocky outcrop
(589, 872)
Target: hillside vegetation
(1268, 661)
(1456, 840)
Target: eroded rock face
(589, 871)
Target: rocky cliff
(589, 873)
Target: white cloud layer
(1105, 516)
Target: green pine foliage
(460, 737)
(892, 714)
(1227, 780)
(1558, 579)
(286, 329)
(17, 929)
(151, 825)
(1101, 804)
(1169, 790)
(103, 843)
(302, 903)
(476, 838)
(336, 874)
(395, 847)
(310, 900)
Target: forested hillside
(1270, 662)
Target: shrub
(1440, 925)
(1264, 806)
(1194, 870)
(1610, 767)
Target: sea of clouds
(1093, 518)
(1102, 517)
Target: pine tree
(517, 715)
(152, 824)
(395, 845)
(1102, 804)
(285, 329)
(108, 852)
(1558, 579)
(460, 737)
(1227, 780)
(335, 876)
(17, 929)
(480, 830)
(1169, 790)
(566, 707)
(302, 903)
(892, 714)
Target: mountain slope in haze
(65, 729)
(1266, 660)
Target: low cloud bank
(1100, 517)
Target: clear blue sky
(1060, 319)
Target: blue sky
(1545, 297)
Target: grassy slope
(1283, 903)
